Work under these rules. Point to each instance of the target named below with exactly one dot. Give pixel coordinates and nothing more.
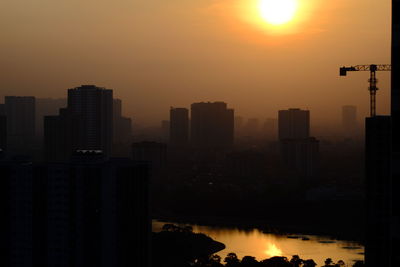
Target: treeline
(231, 260)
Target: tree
(276, 261)
(328, 262)
(340, 263)
(296, 261)
(249, 261)
(309, 263)
(231, 260)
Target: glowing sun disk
(278, 12)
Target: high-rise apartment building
(299, 151)
(179, 127)
(294, 123)
(91, 211)
(212, 125)
(94, 105)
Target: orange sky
(156, 54)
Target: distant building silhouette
(95, 107)
(238, 125)
(122, 126)
(61, 135)
(47, 107)
(294, 123)
(86, 124)
(87, 212)
(212, 125)
(179, 127)
(349, 120)
(20, 113)
(299, 151)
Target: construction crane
(373, 68)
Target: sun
(278, 12)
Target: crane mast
(373, 68)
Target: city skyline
(213, 54)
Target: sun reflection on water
(273, 250)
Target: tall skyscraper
(20, 113)
(86, 124)
(179, 127)
(212, 125)
(383, 170)
(294, 123)
(378, 191)
(95, 107)
(395, 133)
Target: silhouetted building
(89, 212)
(61, 135)
(395, 133)
(95, 107)
(212, 125)
(179, 127)
(294, 123)
(299, 151)
(383, 170)
(47, 107)
(379, 190)
(20, 112)
(238, 125)
(122, 125)
(349, 120)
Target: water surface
(253, 242)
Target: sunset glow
(278, 12)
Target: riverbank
(328, 229)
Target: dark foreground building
(88, 212)
(383, 170)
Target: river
(254, 242)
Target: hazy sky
(161, 53)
